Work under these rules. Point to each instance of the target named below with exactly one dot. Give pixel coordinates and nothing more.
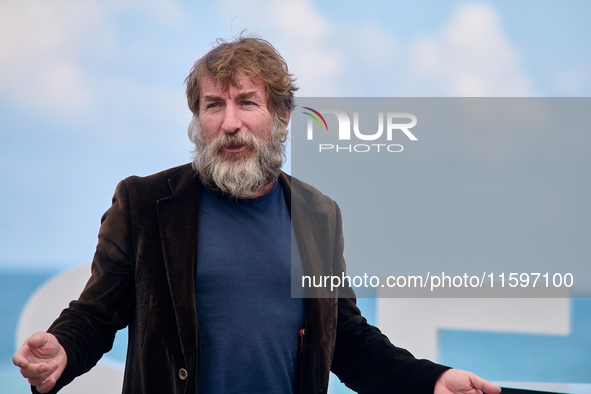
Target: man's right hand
(42, 360)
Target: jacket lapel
(310, 226)
(178, 220)
(315, 236)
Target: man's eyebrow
(248, 95)
(211, 98)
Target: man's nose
(232, 122)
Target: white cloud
(303, 36)
(46, 47)
(471, 57)
(39, 42)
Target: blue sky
(92, 91)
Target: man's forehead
(244, 84)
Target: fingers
(44, 375)
(24, 355)
(38, 371)
(46, 385)
(19, 359)
(41, 375)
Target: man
(195, 261)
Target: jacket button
(183, 374)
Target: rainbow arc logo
(315, 118)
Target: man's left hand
(455, 381)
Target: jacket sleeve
(86, 329)
(364, 359)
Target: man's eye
(212, 105)
(248, 103)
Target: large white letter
(368, 137)
(344, 123)
(404, 126)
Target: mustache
(223, 141)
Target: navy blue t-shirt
(248, 321)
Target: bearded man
(196, 261)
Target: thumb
(485, 385)
(37, 340)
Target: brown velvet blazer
(143, 277)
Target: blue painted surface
(513, 357)
(524, 357)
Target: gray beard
(237, 174)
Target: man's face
(239, 143)
(235, 111)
